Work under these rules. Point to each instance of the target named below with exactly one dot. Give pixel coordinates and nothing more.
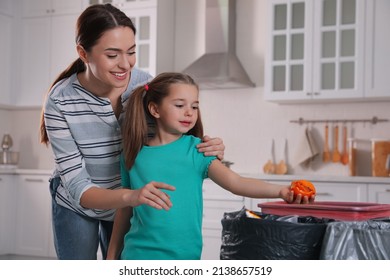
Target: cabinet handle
(388, 190)
(308, 93)
(1, 179)
(324, 194)
(316, 93)
(34, 180)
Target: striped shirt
(85, 137)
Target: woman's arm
(251, 187)
(121, 227)
(212, 147)
(150, 194)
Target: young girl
(170, 156)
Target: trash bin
(357, 240)
(271, 237)
(361, 230)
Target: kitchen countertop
(17, 171)
(320, 178)
(273, 177)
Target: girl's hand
(212, 147)
(288, 195)
(151, 195)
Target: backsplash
(246, 123)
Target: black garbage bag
(271, 237)
(358, 240)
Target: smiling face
(178, 112)
(110, 61)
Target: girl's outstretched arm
(251, 187)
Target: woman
(81, 120)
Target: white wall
(245, 122)
(23, 125)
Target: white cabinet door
(33, 216)
(377, 46)
(7, 211)
(47, 7)
(212, 241)
(47, 46)
(5, 59)
(379, 193)
(62, 43)
(216, 202)
(7, 7)
(288, 74)
(342, 192)
(36, 7)
(35, 70)
(315, 50)
(123, 4)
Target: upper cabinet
(316, 50)
(6, 22)
(377, 59)
(7, 7)
(47, 42)
(47, 46)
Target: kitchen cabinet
(315, 50)
(47, 46)
(7, 7)
(33, 232)
(143, 14)
(377, 44)
(379, 193)
(6, 213)
(6, 21)
(216, 201)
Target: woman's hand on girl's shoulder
(212, 147)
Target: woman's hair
(91, 25)
(137, 119)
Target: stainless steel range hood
(219, 67)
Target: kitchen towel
(306, 151)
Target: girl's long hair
(138, 121)
(93, 22)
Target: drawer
(341, 192)
(213, 212)
(213, 191)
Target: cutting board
(380, 151)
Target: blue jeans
(77, 237)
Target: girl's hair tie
(146, 86)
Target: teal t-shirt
(175, 234)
